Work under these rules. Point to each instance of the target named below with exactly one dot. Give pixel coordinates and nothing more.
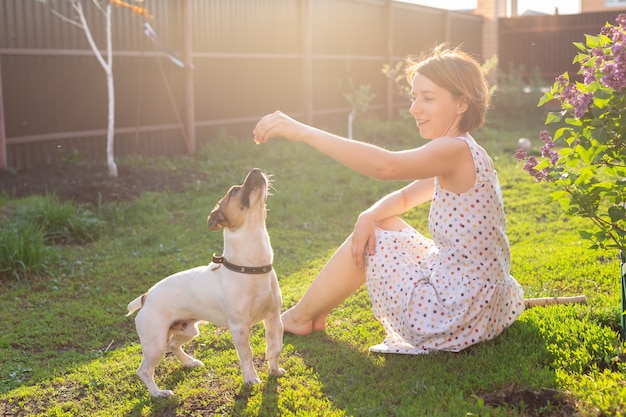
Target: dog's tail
(136, 304)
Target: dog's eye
(234, 191)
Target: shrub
(585, 161)
(22, 250)
(60, 221)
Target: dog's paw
(253, 381)
(277, 372)
(194, 363)
(162, 393)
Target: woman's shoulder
(455, 141)
(449, 145)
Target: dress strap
(482, 160)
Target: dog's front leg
(274, 343)
(241, 339)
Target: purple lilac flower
(621, 19)
(541, 175)
(561, 80)
(520, 154)
(589, 77)
(589, 72)
(612, 65)
(618, 35)
(547, 149)
(579, 101)
(530, 165)
(582, 103)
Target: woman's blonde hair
(460, 74)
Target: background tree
(106, 61)
(359, 98)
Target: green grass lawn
(67, 349)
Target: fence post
(307, 59)
(190, 109)
(390, 81)
(3, 137)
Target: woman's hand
(278, 124)
(363, 239)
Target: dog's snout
(216, 218)
(255, 176)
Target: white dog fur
(172, 309)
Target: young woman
(444, 293)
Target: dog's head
(231, 211)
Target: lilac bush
(585, 159)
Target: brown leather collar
(242, 269)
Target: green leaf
(593, 41)
(617, 213)
(605, 186)
(544, 163)
(601, 103)
(554, 117)
(585, 175)
(547, 97)
(563, 133)
(573, 122)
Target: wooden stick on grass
(548, 301)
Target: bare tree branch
(65, 18)
(79, 9)
(99, 6)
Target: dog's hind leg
(241, 339)
(181, 333)
(154, 345)
(273, 343)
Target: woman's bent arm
(439, 157)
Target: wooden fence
(546, 42)
(249, 58)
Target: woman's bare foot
(319, 323)
(294, 326)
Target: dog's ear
(215, 220)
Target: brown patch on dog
(216, 219)
(179, 325)
(143, 298)
(227, 212)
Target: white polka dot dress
(455, 290)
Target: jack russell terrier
(236, 290)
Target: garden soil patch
(91, 184)
(533, 403)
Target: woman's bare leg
(337, 280)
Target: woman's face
(437, 111)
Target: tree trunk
(111, 97)
(107, 66)
(351, 117)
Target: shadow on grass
(269, 399)
(511, 373)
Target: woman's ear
(462, 105)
